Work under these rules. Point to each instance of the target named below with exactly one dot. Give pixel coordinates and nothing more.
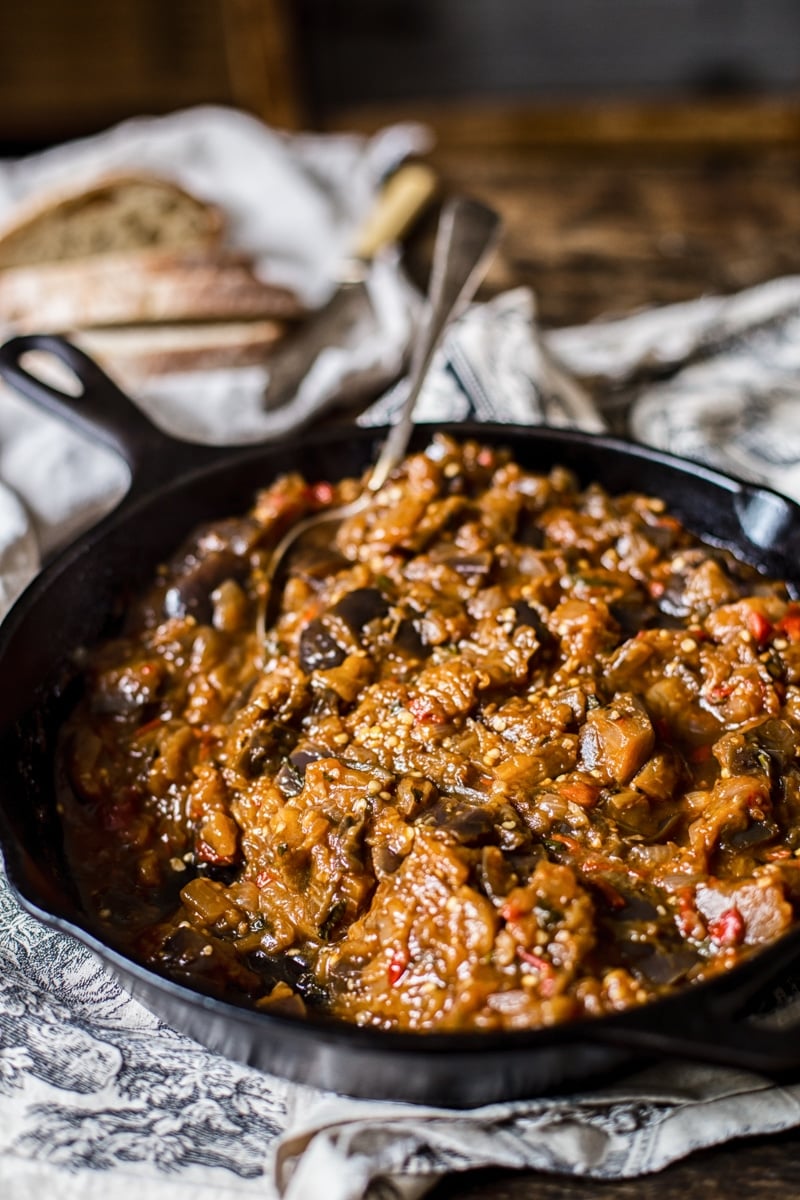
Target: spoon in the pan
(467, 234)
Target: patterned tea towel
(97, 1097)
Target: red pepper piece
(397, 967)
(425, 711)
(597, 864)
(728, 928)
(321, 493)
(510, 911)
(569, 843)
(789, 626)
(208, 854)
(759, 626)
(612, 897)
(668, 522)
(584, 794)
(547, 983)
(720, 691)
(149, 727)
(310, 610)
(688, 918)
(534, 960)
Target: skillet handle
(721, 1041)
(710, 1028)
(102, 411)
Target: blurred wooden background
(624, 205)
(640, 152)
(72, 68)
(68, 69)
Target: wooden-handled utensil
(404, 196)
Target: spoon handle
(468, 233)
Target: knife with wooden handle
(402, 199)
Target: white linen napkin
(97, 1097)
(291, 201)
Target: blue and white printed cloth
(97, 1097)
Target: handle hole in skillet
(52, 371)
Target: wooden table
(607, 210)
(758, 1169)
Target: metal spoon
(468, 233)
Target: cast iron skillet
(175, 486)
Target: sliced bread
(114, 214)
(136, 287)
(137, 353)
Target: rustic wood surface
(759, 1169)
(611, 209)
(606, 235)
(607, 211)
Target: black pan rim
(471, 1044)
(230, 456)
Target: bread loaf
(132, 268)
(115, 214)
